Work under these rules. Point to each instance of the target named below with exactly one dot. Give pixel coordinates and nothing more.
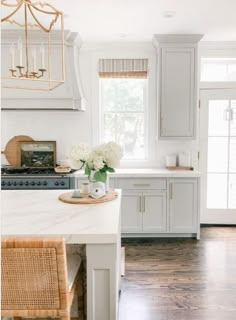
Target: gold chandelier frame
(28, 7)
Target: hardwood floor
(181, 279)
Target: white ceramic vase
(92, 180)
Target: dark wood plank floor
(181, 279)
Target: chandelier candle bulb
(12, 55)
(42, 53)
(34, 60)
(20, 49)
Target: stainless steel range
(35, 178)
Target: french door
(218, 156)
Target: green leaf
(100, 176)
(110, 169)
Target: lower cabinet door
(154, 212)
(131, 215)
(183, 205)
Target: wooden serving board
(12, 149)
(179, 168)
(67, 198)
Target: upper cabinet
(177, 85)
(67, 96)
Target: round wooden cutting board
(12, 150)
(67, 198)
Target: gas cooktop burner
(28, 171)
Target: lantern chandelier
(28, 62)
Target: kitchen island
(39, 212)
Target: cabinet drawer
(142, 184)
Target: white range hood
(68, 96)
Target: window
(218, 69)
(123, 102)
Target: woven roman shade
(123, 68)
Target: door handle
(228, 114)
(171, 191)
(144, 204)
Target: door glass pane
(218, 69)
(232, 159)
(233, 121)
(217, 154)
(217, 125)
(232, 191)
(216, 191)
(213, 71)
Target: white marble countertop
(150, 173)
(39, 212)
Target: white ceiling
(138, 20)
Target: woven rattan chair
(38, 279)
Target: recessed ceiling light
(168, 14)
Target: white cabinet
(154, 212)
(177, 74)
(159, 207)
(143, 207)
(131, 213)
(183, 205)
(143, 212)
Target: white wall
(69, 128)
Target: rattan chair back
(34, 277)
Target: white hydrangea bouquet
(96, 161)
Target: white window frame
(142, 52)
